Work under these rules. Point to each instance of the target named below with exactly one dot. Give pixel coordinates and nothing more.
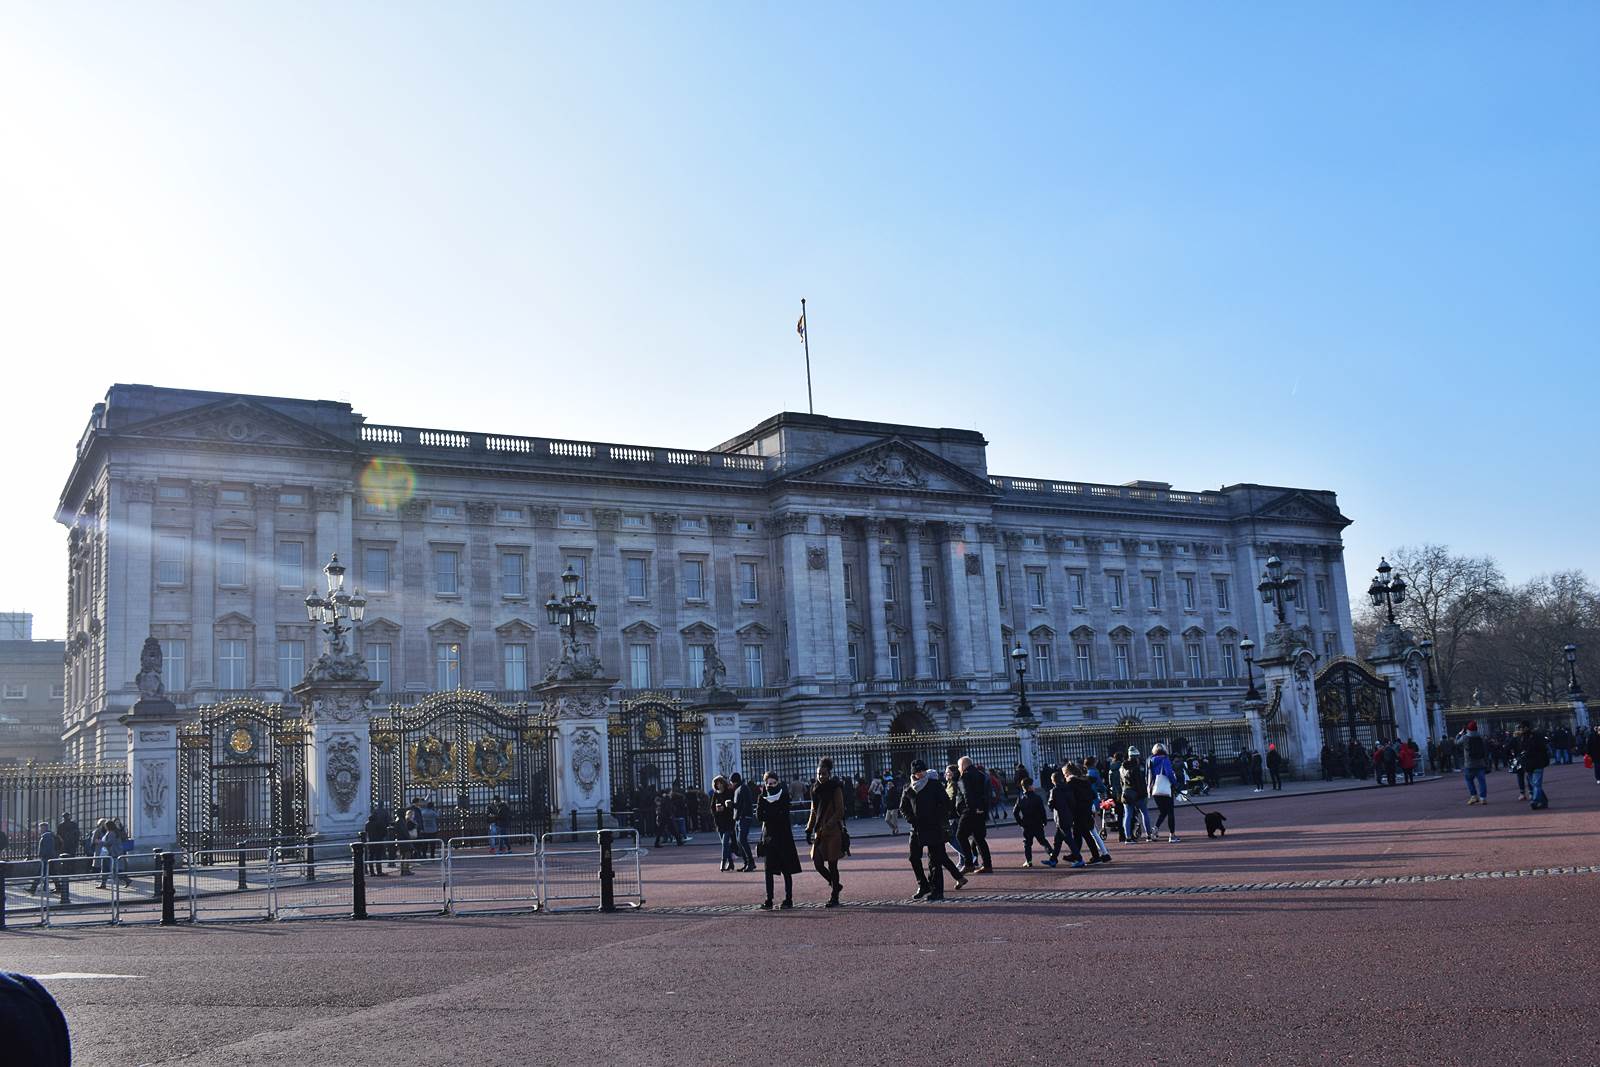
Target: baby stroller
(1108, 818)
(1194, 780)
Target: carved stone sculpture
(892, 469)
(817, 557)
(586, 760)
(343, 770)
(149, 678)
(153, 787)
(715, 671)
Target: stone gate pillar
(1397, 660)
(336, 702)
(580, 708)
(1290, 696)
(152, 725)
(720, 750)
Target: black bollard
(169, 910)
(608, 899)
(63, 886)
(241, 866)
(311, 858)
(2, 894)
(574, 820)
(358, 903)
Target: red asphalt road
(1480, 971)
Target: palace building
(853, 576)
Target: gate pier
(153, 772)
(579, 708)
(1290, 695)
(337, 713)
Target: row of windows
(232, 496)
(19, 690)
(1116, 594)
(233, 664)
(889, 578)
(571, 517)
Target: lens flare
(387, 482)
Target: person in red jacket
(1408, 760)
(1377, 763)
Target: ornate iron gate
(654, 745)
(241, 775)
(461, 750)
(1354, 704)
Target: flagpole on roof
(805, 339)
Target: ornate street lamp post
(1426, 644)
(1019, 659)
(337, 612)
(567, 612)
(1386, 592)
(1248, 647)
(1573, 688)
(1277, 590)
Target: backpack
(1476, 748)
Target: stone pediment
(1299, 506)
(449, 626)
(236, 422)
(892, 465)
(515, 628)
(380, 625)
(699, 630)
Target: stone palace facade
(853, 576)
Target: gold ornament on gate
(242, 740)
(652, 729)
(490, 760)
(431, 759)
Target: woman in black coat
(777, 839)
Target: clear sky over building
(1349, 248)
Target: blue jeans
(497, 840)
(1536, 787)
(1477, 782)
(730, 845)
(1130, 808)
(745, 824)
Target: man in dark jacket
(744, 812)
(1029, 813)
(1592, 750)
(376, 829)
(1275, 765)
(666, 819)
(1535, 758)
(68, 835)
(924, 805)
(972, 803)
(47, 849)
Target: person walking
(666, 821)
(972, 805)
(1256, 778)
(1275, 765)
(926, 807)
(744, 813)
(1060, 804)
(1591, 749)
(376, 829)
(499, 825)
(1164, 784)
(46, 849)
(1134, 789)
(777, 839)
(722, 814)
(875, 796)
(1534, 758)
(1474, 763)
(891, 804)
(68, 835)
(825, 828)
(1407, 759)
(428, 827)
(1029, 813)
(1114, 788)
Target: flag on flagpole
(800, 327)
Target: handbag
(1162, 786)
(844, 841)
(761, 845)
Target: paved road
(1224, 951)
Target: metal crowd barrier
(234, 884)
(492, 874)
(578, 870)
(78, 891)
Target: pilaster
(153, 772)
(959, 566)
(202, 587)
(876, 615)
(579, 708)
(337, 712)
(919, 610)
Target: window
(375, 569)
(1186, 584)
(639, 666)
(927, 585)
(1230, 662)
(853, 651)
(580, 567)
(172, 492)
(1043, 664)
(1193, 654)
(515, 659)
(172, 563)
(1085, 654)
(1035, 587)
(888, 583)
(1221, 587)
(1158, 659)
(1330, 644)
(446, 511)
(291, 564)
(447, 573)
(1075, 588)
(849, 584)
(234, 496)
(935, 666)
(230, 562)
(378, 664)
(291, 663)
(638, 587)
(754, 675)
(1121, 651)
(744, 526)
(693, 524)
(1322, 594)
(749, 583)
(694, 579)
(291, 500)
(1152, 590)
(513, 571)
(1114, 591)
(374, 507)
(58, 691)
(15, 691)
(1000, 584)
(574, 518)
(697, 665)
(511, 515)
(231, 664)
(894, 660)
(172, 674)
(1202, 709)
(633, 522)
(447, 665)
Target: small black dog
(1214, 821)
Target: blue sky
(1348, 247)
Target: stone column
(153, 772)
(132, 554)
(202, 587)
(959, 565)
(838, 616)
(545, 573)
(919, 610)
(482, 579)
(1290, 696)
(415, 670)
(605, 588)
(991, 648)
(1397, 660)
(336, 702)
(719, 738)
(876, 615)
(798, 603)
(264, 586)
(579, 708)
